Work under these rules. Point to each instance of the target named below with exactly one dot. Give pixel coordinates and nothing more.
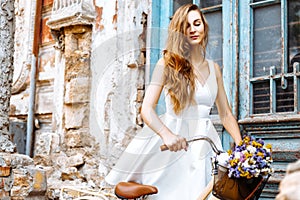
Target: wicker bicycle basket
(227, 188)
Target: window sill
(271, 118)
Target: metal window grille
(275, 49)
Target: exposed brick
(4, 171)
(4, 195)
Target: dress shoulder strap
(211, 67)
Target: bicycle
(137, 191)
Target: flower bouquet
(245, 171)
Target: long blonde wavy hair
(179, 77)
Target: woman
(191, 85)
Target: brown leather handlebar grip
(164, 147)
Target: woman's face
(195, 28)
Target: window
(210, 3)
(212, 10)
(178, 3)
(275, 47)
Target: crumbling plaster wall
(111, 93)
(118, 66)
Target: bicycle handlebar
(196, 138)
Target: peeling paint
(115, 16)
(98, 23)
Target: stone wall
(89, 88)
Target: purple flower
(250, 158)
(260, 141)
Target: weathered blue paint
(250, 51)
(154, 29)
(165, 13)
(197, 2)
(279, 129)
(230, 58)
(245, 40)
(160, 18)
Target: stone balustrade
(71, 12)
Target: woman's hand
(175, 142)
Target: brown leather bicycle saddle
(132, 190)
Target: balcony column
(71, 26)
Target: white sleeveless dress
(181, 175)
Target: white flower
(223, 159)
(265, 170)
(237, 155)
(244, 152)
(252, 160)
(251, 149)
(268, 150)
(246, 163)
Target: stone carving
(59, 38)
(71, 12)
(7, 9)
(19, 84)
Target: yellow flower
(256, 144)
(268, 146)
(260, 154)
(247, 140)
(241, 143)
(233, 162)
(249, 176)
(245, 174)
(248, 155)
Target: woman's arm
(149, 115)
(224, 109)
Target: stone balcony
(71, 12)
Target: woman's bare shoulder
(217, 69)
(161, 63)
(158, 72)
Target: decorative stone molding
(24, 19)
(19, 83)
(59, 38)
(71, 12)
